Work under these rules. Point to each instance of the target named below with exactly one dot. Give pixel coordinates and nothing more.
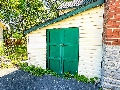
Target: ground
(6, 71)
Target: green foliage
(18, 53)
(100, 89)
(38, 71)
(3, 65)
(21, 15)
(92, 80)
(1, 49)
(17, 35)
(80, 78)
(68, 75)
(68, 0)
(96, 78)
(24, 14)
(15, 54)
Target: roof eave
(69, 14)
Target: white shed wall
(1, 34)
(90, 24)
(37, 49)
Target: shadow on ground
(21, 80)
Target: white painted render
(3, 26)
(1, 34)
(90, 25)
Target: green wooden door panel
(53, 46)
(55, 65)
(63, 50)
(70, 53)
(70, 66)
(71, 35)
(54, 37)
(52, 51)
(70, 59)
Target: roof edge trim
(69, 14)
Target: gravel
(21, 80)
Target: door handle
(62, 45)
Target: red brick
(109, 23)
(116, 30)
(113, 26)
(118, 40)
(108, 35)
(118, 22)
(113, 40)
(115, 36)
(117, 19)
(112, 20)
(116, 33)
(108, 31)
(117, 16)
(107, 43)
(117, 10)
(112, 7)
(117, 3)
(110, 13)
(115, 43)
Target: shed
(70, 43)
(2, 27)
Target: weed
(38, 71)
(100, 89)
(67, 75)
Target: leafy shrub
(3, 65)
(1, 49)
(15, 53)
(68, 75)
(38, 71)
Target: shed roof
(67, 15)
(75, 3)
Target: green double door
(63, 50)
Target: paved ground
(7, 71)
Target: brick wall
(111, 34)
(111, 46)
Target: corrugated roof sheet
(75, 3)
